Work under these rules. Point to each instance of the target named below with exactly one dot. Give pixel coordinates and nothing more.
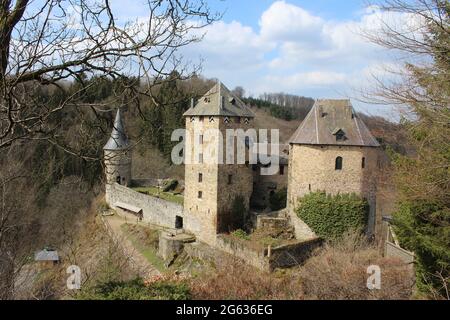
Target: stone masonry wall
(241, 183)
(202, 209)
(118, 164)
(312, 168)
(217, 194)
(155, 211)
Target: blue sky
(309, 48)
(250, 11)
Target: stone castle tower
(211, 188)
(117, 156)
(333, 151)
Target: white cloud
(298, 52)
(309, 79)
(287, 22)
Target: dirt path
(138, 261)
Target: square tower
(212, 185)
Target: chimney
(192, 103)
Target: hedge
(332, 216)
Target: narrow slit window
(338, 165)
(200, 177)
(230, 179)
(200, 194)
(363, 162)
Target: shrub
(136, 290)
(235, 280)
(423, 227)
(238, 213)
(278, 200)
(241, 234)
(170, 185)
(331, 216)
(338, 271)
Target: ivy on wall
(331, 216)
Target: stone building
(333, 151)
(212, 185)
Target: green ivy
(332, 216)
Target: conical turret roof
(118, 139)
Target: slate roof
(118, 139)
(219, 101)
(328, 120)
(46, 255)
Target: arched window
(338, 165)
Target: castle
(331, 151)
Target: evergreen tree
(422, 221)
(166, 115)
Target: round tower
(333, 151)
(117, 155)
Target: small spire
(118, 139)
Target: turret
(117, 155)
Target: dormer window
(232, 100)
(207, 100)
(211, 119)
(226, 120)
(340, 135)
(246, 120)
(192, 119)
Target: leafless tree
(46, 43)
(47, 46)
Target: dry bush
(336, 271)
(235, 280)
(339, 271)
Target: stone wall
(265, 184)
(156, 211)
(238, 249)
(292, 254)
(392, 250)
(312, 168)
(279, 257)
(220, 183)
(118, 166)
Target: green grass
(157, 192)
(144, 245)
